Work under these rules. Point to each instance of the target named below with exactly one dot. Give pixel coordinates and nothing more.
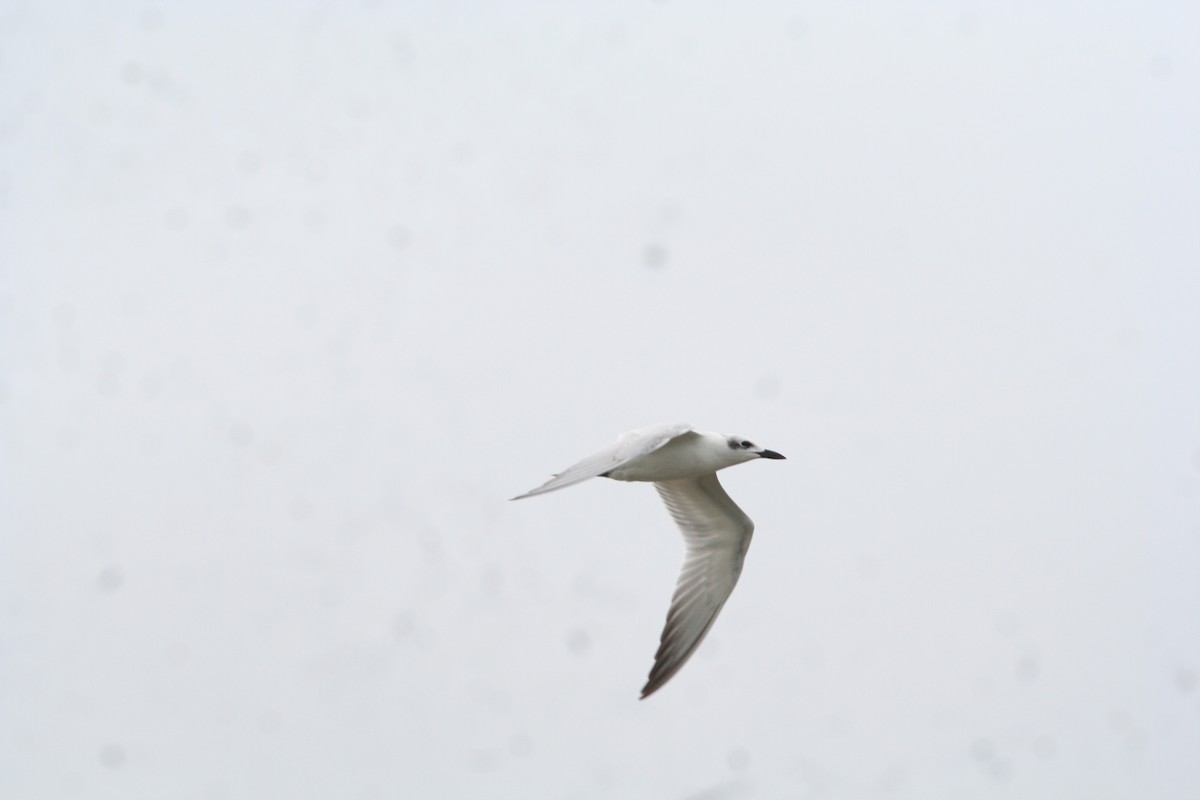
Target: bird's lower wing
(628, 447)
(717, 534)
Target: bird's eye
(747, 445)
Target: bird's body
(682, 464)
(688, 455)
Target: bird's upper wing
(717, 534)
(627, 447)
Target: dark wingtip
(657, 680)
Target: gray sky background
(294, 296)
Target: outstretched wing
(628, 446)
(717, 534)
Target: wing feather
(717, 534)
(628, 446)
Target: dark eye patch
(747, 445)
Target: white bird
(682, 463)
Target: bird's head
(747, 450)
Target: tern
(682, 463)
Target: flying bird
(682, 464)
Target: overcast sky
(293, 296)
